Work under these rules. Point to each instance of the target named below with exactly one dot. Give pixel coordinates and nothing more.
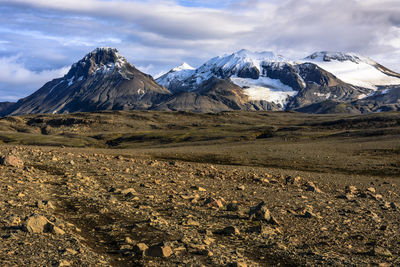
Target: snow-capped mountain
(177, 74)
(291, 84)
(265, 76)
(244, 68)
(355, 69)
(102, 80)
(321, 83)
(244, 64)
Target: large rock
(140, 248)
(37, 224)
(11, 160)
(261, 212)
(160, 251)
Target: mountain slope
(102, 80)
(4, 106)
(215, 95)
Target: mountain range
(324, 82)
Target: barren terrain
(184, 189)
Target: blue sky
(40, 39)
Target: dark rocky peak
(285, 72)
(100, 60)
(311, 73)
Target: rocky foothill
(93, 207)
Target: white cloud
(16, 80)
(161, 17)
(158, 35)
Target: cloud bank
(157, 35)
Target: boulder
(12, 161)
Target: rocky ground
(99, 207)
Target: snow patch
(71, 81)
(323, 95)
(54, 87)
(141, 93)
(264, 88)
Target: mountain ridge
(245, 80)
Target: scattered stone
(306, 212)
(371, 190)
(56, 230)
(199, 188)
(129, 241)
(383, 252)
(261, 212)
(375, 217)
(377, 197)
(310, 186)
(139, 248)
(191, 222)
(349, 196)
(213, 202)
(128, 191)
(385, 205)
(13, 220)
(208, 240)
(70, 251)
(351, 189)
(179, 250)
(63, 263)
(292, 180)
(44, 204)
(229, 230)
(237, 264)
(233, 206)
(160, 251)
(241, 188)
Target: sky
(40, 39)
